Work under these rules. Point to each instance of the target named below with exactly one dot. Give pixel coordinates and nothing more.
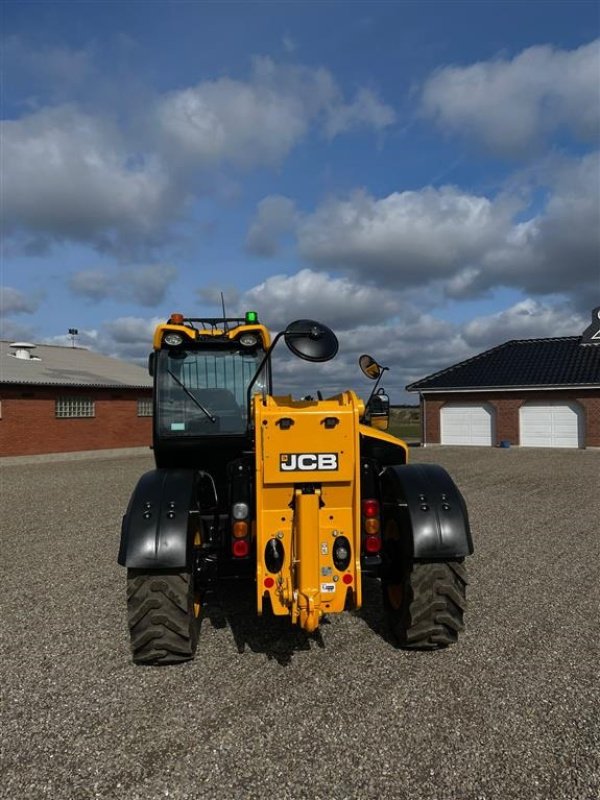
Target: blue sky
(421, 176)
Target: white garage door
(467, 424)
(551, 424)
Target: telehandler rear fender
(156, 529)
(425, 511)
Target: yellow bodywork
(307, 509)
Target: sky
(423, 177)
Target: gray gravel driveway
(512, 711)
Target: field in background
(405, 422)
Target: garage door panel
(467, 424)
(551, 424)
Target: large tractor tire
(163, 614)
(425, 603)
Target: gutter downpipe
(424, 413)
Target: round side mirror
(369, 367)
(310, 340)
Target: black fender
(424, 500)
(155, 532)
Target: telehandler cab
(306, 495)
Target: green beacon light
(251, 317)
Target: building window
(71, 407)
(144, 407)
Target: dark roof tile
(522, 363)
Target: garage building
(528, 392)
(64, 399)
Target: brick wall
(591, 405)
(506, 406)
(29, 426)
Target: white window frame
(144, 407)
(74, 407)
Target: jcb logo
(308, 462)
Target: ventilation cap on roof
(23, 351)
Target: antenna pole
(225, 326)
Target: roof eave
(47, 384)
(520, 388)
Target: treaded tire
(160, 611)
(425, 604)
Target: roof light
(251, 317)
(177, 319)
(173, 339)
(248, 340)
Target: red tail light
(372, 545)
(370, 508)
(370, 527)
(240, 548)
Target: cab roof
(200, 330)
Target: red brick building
(64, 399)
(528, 392)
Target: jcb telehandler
(306, 495)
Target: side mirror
(310, 340)
(379, 410)
(151, 363)
(370, 367)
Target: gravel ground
(509, 712)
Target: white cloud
(527, 319)
(120, 184)
(211, 295)
(146, 285)
(13, 301)
(258, 121)
(93, 284)
(365, 110)
(338, 302)
(406, 238)
(16, 331)
(128, 338)
(275, 217)
(510, 105)
(462, 243)
(132, 330)
(68, 175)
